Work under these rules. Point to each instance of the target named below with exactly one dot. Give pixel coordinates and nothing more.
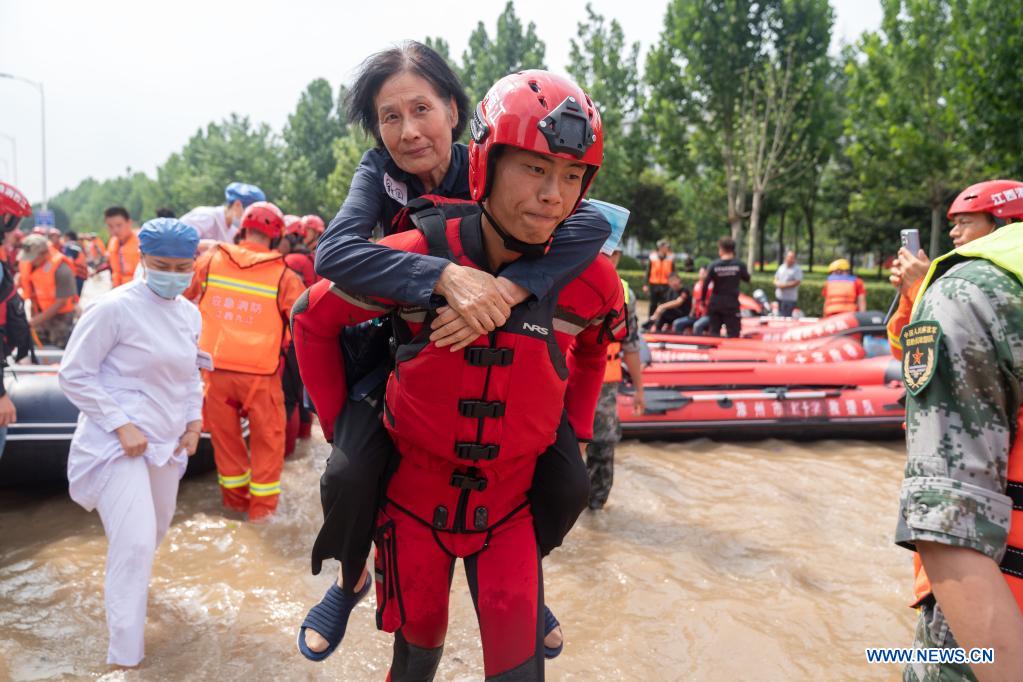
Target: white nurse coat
(132, 358)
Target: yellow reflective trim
(239, 481)
(241, 286)
(265, 489)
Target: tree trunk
(761, 251)
(935, 231)
(781, 237)
(808, 212)
(754, 227)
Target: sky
(127, 82)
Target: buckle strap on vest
(1015, 491)
(475, 451)
(467, 482)
(478, 356)
(1012, 562)
(480, 408)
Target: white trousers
(136, 507)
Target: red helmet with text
(1001, 199)
(264, 217)
(13, 207)
(538, 111)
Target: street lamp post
(14, 153)
(42, 111)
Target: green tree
(693, 72)
(313, 127)
(905, 143)
(606, 67)
(779, 100)
(347, 153)
(486, 60)
(224, 152)
(987, 40)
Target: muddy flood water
(770, 560)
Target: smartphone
(911, 241)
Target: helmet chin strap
(530, 251)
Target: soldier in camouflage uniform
(607, 429)
(963, 366)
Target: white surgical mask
(168, 284)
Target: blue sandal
(549, 623)
(329, 618)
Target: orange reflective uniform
(245, 296)
(901, 318)
(124, 258)
(1014, 548)
(43, 283)
(80, 265)
(25, 279)
(840, 296)
(95, 250)
(613, 371)
(660, 268)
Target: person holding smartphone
(977, 212)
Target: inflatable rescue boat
(37, 444)
(858, 398)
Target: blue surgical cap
(168, 237)
(618, 216)
(245, 193)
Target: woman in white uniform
(132, 369)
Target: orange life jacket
(613, 369)
(44, 283)
(660, 268)
(242, 327)
(124, 258)
(1012, 564)
(25, 279)
(95, 249)
(840, 296)
(81, 267)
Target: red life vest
(302, 263)
(475, 408)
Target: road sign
(44, 219)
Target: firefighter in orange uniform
(123, 249)
(245, 293)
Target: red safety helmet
(13, 207)
(264, 217)
(294, 225)
(313, 223)
(1001, 199)
(538, 111)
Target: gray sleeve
(65, 278)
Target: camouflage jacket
(960, 426)
(630, 344)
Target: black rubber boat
(37, 444)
